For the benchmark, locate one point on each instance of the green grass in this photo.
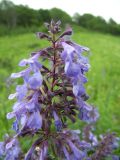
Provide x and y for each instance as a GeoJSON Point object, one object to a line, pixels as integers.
{"type": "Point", "coordinates": [103, 85]}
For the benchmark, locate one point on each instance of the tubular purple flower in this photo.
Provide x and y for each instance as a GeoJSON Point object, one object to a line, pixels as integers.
{"type": "Point", "coordinates": [32, 59]}
{"type": "Point", "coordinates": [35, 81]}
{"type": "Point", "coordinates": [78, 89]}
{"type": "Point", "coordinates": [58, 122]}
{"type": "Point", "coordinates": [32, 120]}
{"type": "Point", "coordinates": [79, 49]}
{"type": "Point", "coordinates": [35, 66]}
{"type": "Point", "coordinates": [94, 114]}
{"type": "Point", "coordinates": [77, 153]}
{"type": "Point", "coordinates": [84, 112]}
{"type": "Point", "coordinates": [12, 150]}
{"type": "Point", "coordinates": [2, 149]}
{"type": "Point", "coordinates": [72, 49]}
{"type": "Point", "coordinates": [33, 104]}
{"type": "Point", "coordinates": [21, 91]}
{"type": "Point", "coordinates": [15, 126]}
{"type": "Point", "coordinates": [10, 144]}
{"type": "Point", "coordinates": [12, 96]}
{"type": "Point", "coordinates": [18, 110]}
{"type": "Point", "coordinates": [72, 69]}
{"type": "Point", "coordinates": [115, 157]}
{"type": "Point", "coordinates": [84, 145]}
{"type": "Point", "coordinates": [66, 153]}
{"type": "Point", "coordinates": [43, 151]}
{"type": "Point", "coordinates": [84, 64]}
{"type": "Point", "coordinates": [68, 49]}
{"type": "Point", "coordinates": [24, 62]}
{"type": "Point", "coordinates": [88, 113]}
{"type": "Point", "coordinates": [93, 139]}
{"type": "Point", "coordinates": [25, 73]}
{"type": "Point", "coordinates": [80, 79]}
{"type": "Point", "coordinates": [27, 113]}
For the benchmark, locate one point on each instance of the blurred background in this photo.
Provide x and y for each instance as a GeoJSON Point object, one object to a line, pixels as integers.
{"type": "Point", "coordinates": [95, 24]}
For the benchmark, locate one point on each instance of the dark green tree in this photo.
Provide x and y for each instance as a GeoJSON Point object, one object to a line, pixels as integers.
{"type": "Point", "coordinates": [7, 13]}
{"type": "Point", "coordinates": [57, 14]}
{"type": "Point", "coordinates": [26, 16]}
{"type": "Point", "coordinates": [114, 28]}
{"type": "Point", "coordinates": [43, 15]}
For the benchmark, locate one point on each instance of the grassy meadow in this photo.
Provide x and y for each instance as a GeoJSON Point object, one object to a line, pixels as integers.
{"type": "Point", "coordinates": [104, 81]}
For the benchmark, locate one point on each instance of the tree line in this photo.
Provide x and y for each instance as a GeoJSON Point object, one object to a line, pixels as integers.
{"type": "Point", "coordinates": [13, 16]}
{"type": "Point", "coordinates": [97, 23]}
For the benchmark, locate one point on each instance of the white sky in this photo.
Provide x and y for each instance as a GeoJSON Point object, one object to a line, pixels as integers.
{"type": "Point", "coordinates": [104, 8]}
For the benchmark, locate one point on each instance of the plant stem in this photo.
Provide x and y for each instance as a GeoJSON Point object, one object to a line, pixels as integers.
{"type": "Point", "coordinates": [54, 62]}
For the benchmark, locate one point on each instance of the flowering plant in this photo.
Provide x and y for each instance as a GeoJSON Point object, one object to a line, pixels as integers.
{"type": "Point", "coordinates": [53, 93]}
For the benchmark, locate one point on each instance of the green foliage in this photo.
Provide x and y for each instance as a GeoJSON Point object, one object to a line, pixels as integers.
{"type": "Point", "coordinates": [25, 16]}
{"type": "Point", "coordinates": [43, 15]}
{"type": "Point", "coordinates": [20, 19]}
{"type": "Point", "coordinates": [18, 30]}
{"type": "Point", "coordinates": [97, 23]}
{"type": "Point", "coordinates": [114, 28]}
{"type": "Point", "coordinates": [58, 14]}
{"type": "Point", "coordinates": [7, 14]}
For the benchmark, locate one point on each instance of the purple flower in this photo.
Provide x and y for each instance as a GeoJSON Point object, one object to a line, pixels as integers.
{"type": "Point", "coordinates": [115, 157]}
{"type": "Point", "coordinates": [12, 96]}
{"type": "Point", "coordinates": [79, 49]}
{"type": "Point", "coordinates": [32, 59]}
{"type": "Point", "coordinates": [84, 112]}
{"type": "Point", "coordinates": [84, 64]}
{"type": "Point", "coordinates": [87, 113]}
{"type": "Point", "coordinates": [35, 81]}
{"type": "Point", "coordinates": [21, 91]}
{"type": "Point", "coordinates": [72, 69]}
{"type": "Point", "coordinates": [27, 114]}
{"type": "Point", "coordinates": [33, 104]}
{"type": "Point", "coordinates": [93, 139]}
{"type": "Point", "coordinates": [72, 147]}
{"type": "Point", "coordinates": [25, 74]}
{"type": "Point", "coordinates": [78, 89]}
{"type": "Point", "coordinates": [77, 153]}
{"type": "Point", "coordinates": [32, 120]}
{"type": "Point", "coordinates": [32, 76]}
{"type": "Point", "coordinates": [35, 66]}
{"type": "Point", "coordinates": [15, 126]}
{"type": "Point", "coordinates": [18, 107]}
{"type": "Point", "coordinates": [72, 50]}
{"type": "Point", "coordinates": [18, 110]}
{"type": "Point", "coordinates": [84, 145]}
{"type": "Point", "coordinates": [58, 122]}
{"type": "Point", "coordinates": [2, 148]}
{"type": "Point", "coordinates": [66, 153]}
{"type": "Point", "coordinates": [43, 151]}
{"type": "Point", "coordinates": [12, 150]}
{"type": "Point", "coordinates": [68, 52]}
